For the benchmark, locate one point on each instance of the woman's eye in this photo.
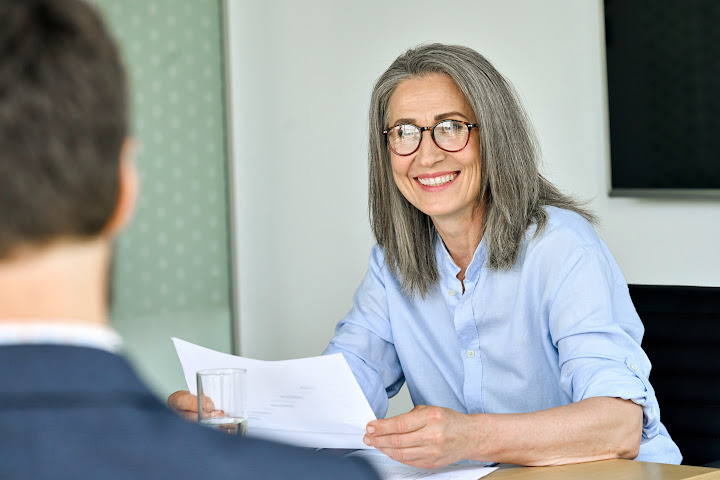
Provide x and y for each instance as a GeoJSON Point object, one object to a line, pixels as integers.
{"type": "Point", "coordinates": [406, 131]}
{"type": "Point", "coordinates": [452, 128]}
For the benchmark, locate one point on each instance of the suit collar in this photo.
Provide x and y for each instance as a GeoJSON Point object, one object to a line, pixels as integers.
{"type": "Point", "coordinates": [41, 369]}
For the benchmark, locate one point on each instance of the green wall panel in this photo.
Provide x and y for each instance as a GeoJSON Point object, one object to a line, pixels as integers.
{"type": "Point", "coordinates": [172, 267]}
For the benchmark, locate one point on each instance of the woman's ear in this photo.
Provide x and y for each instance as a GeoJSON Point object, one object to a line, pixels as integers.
{"type": "Point", "coordinates": [128, 187]}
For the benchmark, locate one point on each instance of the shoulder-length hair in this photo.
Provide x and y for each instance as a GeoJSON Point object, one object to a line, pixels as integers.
{"type": "Point", "coordinates": [513, 188]}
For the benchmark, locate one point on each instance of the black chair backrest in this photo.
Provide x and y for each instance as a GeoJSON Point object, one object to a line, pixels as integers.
{"type": "Point", "coordinates": [682, 339]}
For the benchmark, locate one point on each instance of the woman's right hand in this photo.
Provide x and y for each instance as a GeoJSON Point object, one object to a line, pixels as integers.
{"type": "Point", "coordinates": [185, 404]}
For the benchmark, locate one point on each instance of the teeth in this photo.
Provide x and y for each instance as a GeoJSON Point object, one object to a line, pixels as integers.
{"type": "Point", "coordinates": [436, 181]}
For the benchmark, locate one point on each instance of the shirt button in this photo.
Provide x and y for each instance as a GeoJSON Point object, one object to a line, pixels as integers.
{"type": "Point", "coordinates": [451, 293]}
{"type": "Point", "coordinates": [471, 353]}
{"type": "Point", "coordinates": [633, 366]}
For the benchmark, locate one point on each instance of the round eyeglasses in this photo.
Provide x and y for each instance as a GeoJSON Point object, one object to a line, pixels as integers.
{"type": "Point", "coordinates": [448, 135]}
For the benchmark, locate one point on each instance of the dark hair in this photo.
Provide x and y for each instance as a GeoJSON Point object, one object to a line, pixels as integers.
{"type": "Point", "coordinates": [63, 120]}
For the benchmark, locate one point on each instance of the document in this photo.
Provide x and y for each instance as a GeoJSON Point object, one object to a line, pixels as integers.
{"type": "Point", "coordinates": [309, 402]}
{"type": "Point", "coordinates": [389, 469]}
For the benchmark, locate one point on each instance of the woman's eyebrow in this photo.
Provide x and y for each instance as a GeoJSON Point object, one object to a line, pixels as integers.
{"type": "Point", "coordinates": [438, 117]}
{"type": "Point", "coordinates": [450, 114]}
{"type": "Point", "coordinates": [400, 121]}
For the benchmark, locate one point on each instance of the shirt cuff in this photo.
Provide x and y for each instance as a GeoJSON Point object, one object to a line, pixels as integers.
{"type": "Point", "coordinates": [627, 380]}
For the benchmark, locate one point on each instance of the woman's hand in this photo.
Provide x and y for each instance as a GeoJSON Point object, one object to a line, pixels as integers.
{"type": "Point", "coordinates": [595, 428]}
{"type": "Point", "coordinates": [425, 437]}
{"type": "Point", "coordinates": [185, 404]}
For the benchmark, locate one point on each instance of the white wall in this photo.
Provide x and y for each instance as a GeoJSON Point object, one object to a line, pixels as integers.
{"type": "Point", "coordinates": [300, 80]}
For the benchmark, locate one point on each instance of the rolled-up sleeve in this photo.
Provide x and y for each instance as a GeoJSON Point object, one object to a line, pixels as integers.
{"type": "Point", "coordinates": [364, 337]}
{"type": "Point", "coordinates": [597, 333]}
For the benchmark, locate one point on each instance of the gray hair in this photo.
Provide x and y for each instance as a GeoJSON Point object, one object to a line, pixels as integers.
{"type": "Point", "coordinates": [513, 188]}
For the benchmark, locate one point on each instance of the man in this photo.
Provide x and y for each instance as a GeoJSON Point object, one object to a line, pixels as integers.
{"type": "Point", "coordinates": [70, 407]}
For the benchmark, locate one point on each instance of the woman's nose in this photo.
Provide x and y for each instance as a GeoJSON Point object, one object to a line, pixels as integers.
{"type": "Point", "coordinates": [428, 153]}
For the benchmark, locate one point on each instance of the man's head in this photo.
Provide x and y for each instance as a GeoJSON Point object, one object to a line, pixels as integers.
{"type": "Point", "coordinates": [63, 124]}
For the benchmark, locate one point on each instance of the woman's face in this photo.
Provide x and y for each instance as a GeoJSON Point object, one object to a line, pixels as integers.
{"type": "Point", "coordinates": [443, 185]}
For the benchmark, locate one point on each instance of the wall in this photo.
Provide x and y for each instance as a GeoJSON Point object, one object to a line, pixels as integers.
{"type": "Point", "coordinates": [172, 275]}
{"type": "Point", "coordinates": [300, 79]}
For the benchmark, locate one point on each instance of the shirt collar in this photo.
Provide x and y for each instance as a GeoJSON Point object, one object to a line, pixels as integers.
{"type": "Point", "coordinates": [59, 332]}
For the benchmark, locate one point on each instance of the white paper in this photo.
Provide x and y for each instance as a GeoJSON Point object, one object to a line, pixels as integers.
{"type": "Point", "coordinates": [389, 469]}
{"type": "Point", "coordinates": [310, 402]}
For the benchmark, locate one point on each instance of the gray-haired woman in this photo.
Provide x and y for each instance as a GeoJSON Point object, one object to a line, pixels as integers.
{"type": "Point", "coordinates": [488, 292]}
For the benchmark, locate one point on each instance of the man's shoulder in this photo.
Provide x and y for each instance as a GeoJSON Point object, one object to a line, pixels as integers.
{"type": "Point", "coordinates": [109, 425]}
{"type": "Point", "coordinates": [133, 442]}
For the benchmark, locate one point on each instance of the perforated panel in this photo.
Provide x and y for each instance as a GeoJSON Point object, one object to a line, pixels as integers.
{"type": "Point", "coordinates": [172, 267]}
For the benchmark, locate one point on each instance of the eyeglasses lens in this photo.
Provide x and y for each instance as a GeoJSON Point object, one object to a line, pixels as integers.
{"type": "Point", "coordinates": [404, 139]}
{"type": "Point", "coordinates": [450, 135]}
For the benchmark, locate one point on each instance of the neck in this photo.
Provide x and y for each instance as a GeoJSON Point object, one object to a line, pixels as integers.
{"type": "Point", "coordinates": [65, 281]}
{"type": "Point", "coordinates": [461, 236]}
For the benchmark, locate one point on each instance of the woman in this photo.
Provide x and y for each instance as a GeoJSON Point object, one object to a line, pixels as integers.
{"type": "Point", "coordinates": [488, 292]}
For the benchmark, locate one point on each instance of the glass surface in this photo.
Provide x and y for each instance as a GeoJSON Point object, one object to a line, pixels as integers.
{"type": "Point", "coordinates": [222, 400]}
{"type": "Point", "coordinates": [229, 425]}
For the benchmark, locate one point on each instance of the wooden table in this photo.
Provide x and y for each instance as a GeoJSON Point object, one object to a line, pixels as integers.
{"type": "Point", "coordinates": [607, 469]}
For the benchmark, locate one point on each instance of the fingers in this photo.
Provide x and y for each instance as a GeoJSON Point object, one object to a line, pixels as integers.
{"type": "Point", "coordinates": [415, 456]}
{"type": "Point", "coordinates": [403, 431]}
{"type": "Point", "coordinates": [425, 437]}
{"type": "Point", "coordinates": [184, 401]}
{"type": "Point", "coordinates": [185, 404]}
{"type": "Point", "coordinates": [207, 403]}
{"type": "Point", "coordinates": [412, 421]}
{"type": "Point", "coordinates": [395, 441]}
{"type": "Point", "coordinates": [193, 416]}
{"type": "Point", "coordinates": [189, 416]}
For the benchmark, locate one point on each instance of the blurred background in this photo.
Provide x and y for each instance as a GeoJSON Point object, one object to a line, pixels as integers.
{"type": "Point", "coordinates": [252, 233]}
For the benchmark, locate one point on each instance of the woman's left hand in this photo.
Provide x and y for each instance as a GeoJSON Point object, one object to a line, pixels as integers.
{"type": "Point", "coordinates": [425, 437]}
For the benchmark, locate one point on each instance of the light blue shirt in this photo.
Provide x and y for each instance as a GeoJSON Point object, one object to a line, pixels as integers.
{"type": "Point", "coordinates": [557, 328]}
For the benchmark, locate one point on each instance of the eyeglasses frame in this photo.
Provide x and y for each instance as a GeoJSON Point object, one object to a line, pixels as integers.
{"type": "Point", "coordinates": [469, 126]}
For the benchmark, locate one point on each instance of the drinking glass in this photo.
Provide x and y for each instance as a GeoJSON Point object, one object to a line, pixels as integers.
{"type": "Point", "coordinates": [225, 389]}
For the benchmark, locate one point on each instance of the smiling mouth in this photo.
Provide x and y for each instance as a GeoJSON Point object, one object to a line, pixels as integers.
{"type": "Point", "coordinates": [437, 181]}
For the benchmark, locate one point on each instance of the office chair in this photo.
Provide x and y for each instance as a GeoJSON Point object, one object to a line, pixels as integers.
{"type": "Point", "coordinates": [682, 339]}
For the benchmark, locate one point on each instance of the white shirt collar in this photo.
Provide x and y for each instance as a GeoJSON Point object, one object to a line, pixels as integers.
{"type": "Point", "coordinates": [59, 332]}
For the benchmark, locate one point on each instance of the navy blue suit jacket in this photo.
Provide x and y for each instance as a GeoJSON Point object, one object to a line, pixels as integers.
{"type": "Point", "coordinates": [81, 413]}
